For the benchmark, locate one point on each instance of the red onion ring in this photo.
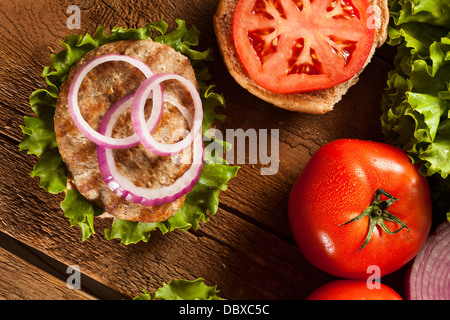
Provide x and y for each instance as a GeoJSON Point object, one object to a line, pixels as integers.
{"type": "Point", "coordinates": [123, 187]}
{"type": "Point", "coordinates": [139, 122]}
{"type": "Point", "coordinates": [84, 127]}
{"type": "Point", "coordinates": [150, 88]}
{"type": "Point", "coordinates": [429, 275]}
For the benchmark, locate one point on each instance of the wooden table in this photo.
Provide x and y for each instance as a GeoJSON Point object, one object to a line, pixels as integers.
{"type": "Point", "coordinates": [247, 248]}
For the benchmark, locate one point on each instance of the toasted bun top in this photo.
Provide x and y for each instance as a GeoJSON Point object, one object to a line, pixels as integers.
{"type": "Point", "coordinates": [315, 102]}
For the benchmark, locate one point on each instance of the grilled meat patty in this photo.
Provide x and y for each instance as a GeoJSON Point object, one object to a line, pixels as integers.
{"type": "Point", "coordinates": [101, 88]}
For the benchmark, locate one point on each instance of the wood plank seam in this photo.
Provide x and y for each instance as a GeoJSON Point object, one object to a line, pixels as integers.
{"type": "Point", "coordinates": [55, 269]}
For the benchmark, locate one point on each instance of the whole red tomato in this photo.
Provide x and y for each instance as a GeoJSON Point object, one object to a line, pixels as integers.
{"type": "Point", "coordinates": [353, 290]}
{"type": "Point", "coordinates": [358, 204]}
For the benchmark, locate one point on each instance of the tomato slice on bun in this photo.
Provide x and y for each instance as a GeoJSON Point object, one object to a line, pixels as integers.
{"type": "Point", "coordinates": [293, 46]}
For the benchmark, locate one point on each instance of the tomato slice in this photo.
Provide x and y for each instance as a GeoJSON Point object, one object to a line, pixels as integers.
{"type": "Point", "coordinates": [292, 46]}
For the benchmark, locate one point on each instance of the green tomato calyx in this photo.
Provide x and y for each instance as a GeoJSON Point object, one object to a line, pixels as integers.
{"type": "Point", "coordinates": [378, 214]}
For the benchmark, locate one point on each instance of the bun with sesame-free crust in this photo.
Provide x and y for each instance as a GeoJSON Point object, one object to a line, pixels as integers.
{"type": "Point", "coordinates": [314, 102]}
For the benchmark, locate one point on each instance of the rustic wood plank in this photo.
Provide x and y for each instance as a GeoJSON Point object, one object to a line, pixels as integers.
{"type": "Point", "coordinates": [56, 269]}
{"type": "Point", "coordinates": [29, 32]}
{"type": "Point", "coordinates": [20, 280]}
{"type": "Point", "coordinates": [247, 248]}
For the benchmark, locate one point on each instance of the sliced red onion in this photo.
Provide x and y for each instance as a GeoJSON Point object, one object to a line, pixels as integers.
{"type": "Point", "coordinates": [112, 115]}
{"type": "Point", "coordinates": [429, 276]}
{"type": "Point", "coordinates": [184, 111]}
{"type": "Point", "coordinates": [84, 127]}
{"type": "Point", "coordinates": [115, 111]}
{"type": "Point", "coordinates": [125, 188]}
{"type": "Point", "coordinates": [150, 88]}
{"type": "Point", "coordinates": [139, 122]}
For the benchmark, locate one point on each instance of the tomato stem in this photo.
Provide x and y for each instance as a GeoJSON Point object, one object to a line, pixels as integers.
{"type": "Point", "coordinates": [378, 214]}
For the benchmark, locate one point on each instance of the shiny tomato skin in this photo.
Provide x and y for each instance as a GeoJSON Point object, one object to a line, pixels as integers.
{"type": "Point", "coordinates": [338, 184]}
{"type": "Point", "coordinates": [289, 47]}
{"type": "Point", "coordinates": [353, 290]}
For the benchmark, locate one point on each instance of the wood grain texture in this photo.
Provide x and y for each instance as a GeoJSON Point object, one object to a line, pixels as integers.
{"type": "Point", "coordinates": [19, 279]}
{"type": "Point", "coordinates": [247, 249]}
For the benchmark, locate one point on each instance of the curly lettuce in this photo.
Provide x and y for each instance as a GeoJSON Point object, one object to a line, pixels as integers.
{"type": "Point", "coordinates": [432, 12]}
{"type": "Point", "coordinates": [416, 103]}
{"type": "Point", "coordinates": [39, 137]}
{"type": "Point", "coordinates": [182, 290]}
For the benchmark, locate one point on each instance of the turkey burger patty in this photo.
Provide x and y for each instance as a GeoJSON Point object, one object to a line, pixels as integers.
{"type": "Point", "coordinates": [100, 89]}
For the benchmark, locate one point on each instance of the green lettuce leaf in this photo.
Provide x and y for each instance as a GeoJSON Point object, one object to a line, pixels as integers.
{"type": "Point", "coordinates": [80, 212]}
{"type": "Point", "coordinates": [39, 138]}
{"type": "Point", "coordinates": [200, 203]}
{"type": "Point", "coordinates": [129, 231]}
{"type": "Point", "coordinates": [416, 102]}
{"type": "Point", "coordinates": [434, 12]}
{"type": "Point", "coordinates": [182, 290]}
{"type": "Point", "coordinates": [52, 172]}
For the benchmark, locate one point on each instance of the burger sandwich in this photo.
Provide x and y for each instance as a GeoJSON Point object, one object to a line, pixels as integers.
{"type": "Point", "coordinates": [120, 127]}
